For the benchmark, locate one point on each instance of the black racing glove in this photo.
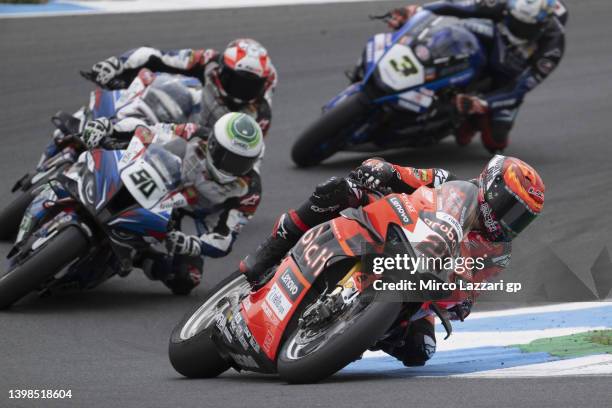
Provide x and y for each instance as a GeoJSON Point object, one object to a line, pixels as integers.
{"type": "Point", "coordinates": [376, 174]}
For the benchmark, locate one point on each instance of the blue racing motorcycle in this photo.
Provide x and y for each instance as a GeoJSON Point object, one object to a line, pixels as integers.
{"type": "Point", "coordinates": [143, 99]}
{"type": "Point", "coordinates": [96, 218]}
{"type": "Point", "coordinates": [402, 91]}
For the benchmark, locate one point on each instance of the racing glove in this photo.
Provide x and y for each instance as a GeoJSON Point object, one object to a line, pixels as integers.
{"type": "Point", "coordinates": [95, 131]}
{"type": "Point", "coordinates": [471, 105]}
{"type": "Point", "coordinates": [179, 243]}
{"type": "Point", "coordinates": [375, 174]}
{"type": "Point", "coordinates": [399, 16]}
{"type": "Point", "coordinates": [106, 71]}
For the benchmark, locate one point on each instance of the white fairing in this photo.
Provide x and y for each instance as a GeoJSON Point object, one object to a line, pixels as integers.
{"type": "Point", "coordinates": [400, 69]}
{"type": "Point", "coordinates": [135, 148]}
{"type": "Point", "coordinates": [144, 183]}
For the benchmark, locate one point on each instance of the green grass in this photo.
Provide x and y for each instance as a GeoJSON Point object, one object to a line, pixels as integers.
{"type": "Point", "coordinates": [575, 345]}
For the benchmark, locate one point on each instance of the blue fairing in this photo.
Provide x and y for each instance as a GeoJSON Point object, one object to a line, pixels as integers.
{"type": "Point", "coordinates": [105, 104]}
{"type": "Point", "coordinates": [445, 38]}
{"type": "Point", "coordinates": [142, 222]}
{"type": "Point", "coordinates": [107, 177]}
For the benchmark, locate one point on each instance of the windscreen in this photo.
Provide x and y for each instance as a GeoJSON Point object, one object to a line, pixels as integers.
{"type": "Point", "coordinates": [166, 164]}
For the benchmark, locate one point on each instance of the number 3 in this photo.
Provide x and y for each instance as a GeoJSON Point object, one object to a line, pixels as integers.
{"type": "Point", "coordinates": [405, 67]}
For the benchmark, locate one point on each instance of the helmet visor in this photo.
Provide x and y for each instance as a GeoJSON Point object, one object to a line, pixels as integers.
{"type": "Point", "coordinates": [522, 30]}
{"type": "Point", "coordinates": [229, 162]}
{"type": "Point", "coordinates": [243, 86]}
{"type": "Point", "coordinates": [510, 212]}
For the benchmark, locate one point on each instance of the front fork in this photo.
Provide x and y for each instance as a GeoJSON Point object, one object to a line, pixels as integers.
{"type": "Point", "coordinates": [355, 282]}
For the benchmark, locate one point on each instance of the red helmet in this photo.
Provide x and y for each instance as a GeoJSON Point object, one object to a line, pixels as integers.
{"type": "Point", "coordinates": [511, 195]}
{"type": "Point", "coordinates": [245, 70]}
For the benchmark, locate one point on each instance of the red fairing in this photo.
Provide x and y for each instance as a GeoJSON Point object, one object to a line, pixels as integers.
{"type": "Point", "coordinates": [268, 311]}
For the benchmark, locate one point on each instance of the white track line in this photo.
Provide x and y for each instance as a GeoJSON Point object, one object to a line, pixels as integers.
{"type": "Point", "coordinates": [597, 365]}
{"type": "Point", "coordinates": [149, 6]}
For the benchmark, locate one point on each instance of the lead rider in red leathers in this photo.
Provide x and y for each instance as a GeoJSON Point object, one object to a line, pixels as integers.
{"type": "Point", "coordinates": [510, 196]}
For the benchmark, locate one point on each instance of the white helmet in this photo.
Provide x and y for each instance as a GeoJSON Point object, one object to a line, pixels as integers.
{"type": "Point", "coordinates": [234, 147]}
{"type": "Point", "coordinates": [527, 17]}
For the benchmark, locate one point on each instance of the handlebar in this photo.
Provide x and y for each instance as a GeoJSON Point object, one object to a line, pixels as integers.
{"type": "Point", "coordinates": [380, 17]}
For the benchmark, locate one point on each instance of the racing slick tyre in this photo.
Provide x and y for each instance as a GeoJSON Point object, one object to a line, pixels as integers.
{"type": "Point", "coordinates": [327, 134]}
{"type": "Point", "coordinates": [310, 357]}
{"type": "Point", "coordinates": [191, 350]}
{"type": "Point", "coordinates": [59, 251]}
{"type": "Point", "coordinates": [11, 215]}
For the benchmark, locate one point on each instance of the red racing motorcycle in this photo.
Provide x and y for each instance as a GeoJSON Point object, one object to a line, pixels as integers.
{"type": "Point", "coordinates": [319, 310]}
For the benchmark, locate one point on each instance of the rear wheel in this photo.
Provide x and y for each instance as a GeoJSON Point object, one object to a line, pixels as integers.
{"type": "Point", "coordinates": [11, 215]}
{"type": "Point", "coordinates": [61, 250]}
{"type": "Point", "coordinates": [192, 352]}
{"type": "Point", "coordinates": [310, 354]}
{"type": "Point", "coordinates": [327, 135]}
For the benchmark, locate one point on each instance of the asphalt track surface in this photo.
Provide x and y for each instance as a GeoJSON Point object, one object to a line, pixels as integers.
{"type": "Point", "coordinates": [109, 345]}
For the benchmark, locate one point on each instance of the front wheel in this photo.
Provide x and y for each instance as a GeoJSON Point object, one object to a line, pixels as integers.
{"type": "Point", "coordinates": [11, 215]}
{"type": "Point", "coordinates": [61, 250]}
{"type": "Point", "coordinates": [327, 135]}
{"type": "Point", "coordinates": [311, 354]}
{"type": "Point", "coordinates": [192, 351]}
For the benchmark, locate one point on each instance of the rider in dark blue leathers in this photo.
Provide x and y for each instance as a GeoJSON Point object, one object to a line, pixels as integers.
{"type": "Point", "coordinates": [525, 41]}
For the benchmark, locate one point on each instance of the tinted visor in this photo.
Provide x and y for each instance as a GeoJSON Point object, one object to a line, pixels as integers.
{"type": "Point", "coordinates": [512, 214]}
{"type": "Point", "coordinates": [523, 30]}
{"type": "Point", "coordinates": [244, 86]}
{"type": "Point", "coordinates": [229, 162]}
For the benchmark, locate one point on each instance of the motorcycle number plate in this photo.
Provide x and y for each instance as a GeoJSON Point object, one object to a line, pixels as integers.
{"type": "Point", "coordinates": [400, 68]}
{"type": "Point", "coordinates": [144, 183]}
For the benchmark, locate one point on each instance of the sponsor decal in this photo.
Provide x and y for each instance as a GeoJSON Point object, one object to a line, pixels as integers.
{"type": "Point", "coordinates": [267, 344]}
{"type": "Point", "coordinates": [535, 192]}
{"type": "Point", "coordinates": [487, 215]}
{"type": "Point", "coordinates": [291, 284]}
{"type": "Point", "coordinates": [315, 256]}
{"type": "Point", "coordinates": [322, 210]}
{"type": "Point", "coordinates": [244, 360]}
{"type": "Point", "coordinates": [268, 312]}
{"type": "Point", "coordinates": [421, 174]}
{"type": "Point", "coordinates": [253, 199]}
{"type": "Point", "coordinates": [440, 176]}
{"type": "Point", "coordinates": [422, 53]}
{"type": "Point", "coordinates": [407, 203]}
{"type": "Point", "coordinates": [399, 210]}
{"type": "Point", "coordinates": [278, 302]}
{"type": "Point", "coordinates": [449, 219]}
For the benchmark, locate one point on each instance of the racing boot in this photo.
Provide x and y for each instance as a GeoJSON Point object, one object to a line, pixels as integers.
{"type": "Point", "coordinates": [413, 343]}
{"type": "Point", "coordinates": [328, 199]}
{"type": "Point", "coordinates": [465, 133]}
{"type": "Point", "coordinates": [494, 135]}
{"type": "Point", "coordinates": [285, 235]}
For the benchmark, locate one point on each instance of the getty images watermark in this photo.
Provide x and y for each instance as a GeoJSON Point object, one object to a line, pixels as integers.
{"type": "Point", "coordinates": [433, 270]}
